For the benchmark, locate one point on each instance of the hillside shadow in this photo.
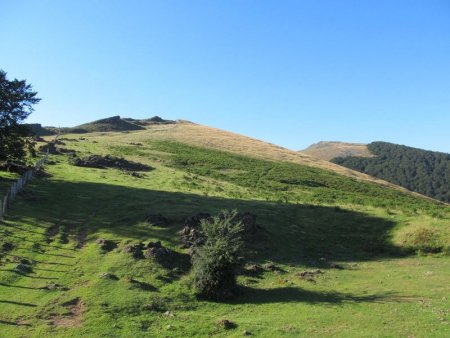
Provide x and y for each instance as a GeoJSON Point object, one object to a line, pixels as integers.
{"type": "Point", "coordinates": [291, 233]}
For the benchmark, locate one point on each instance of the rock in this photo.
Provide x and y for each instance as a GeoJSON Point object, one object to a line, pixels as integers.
{"type": "Point", "coordinates": [272, 267]}
{"type": "Point", "coordinates": [157, 253]}
{"type": "Point", "coordinates": [246, 333]}
{"type": "Point", "coordinates": [6, 246]}
{"type": "Point", "coordinates": [226, 324]}
{"type": "Point", "coordinates": [50, 148]}
{"type": "Point", "coordinates": [23, 268]}
{"type": "Point", "coordinates": [135, 250]}
{"type": "Point", "coordinates": [336, 266]}
{"type": "Point", "coordinates": [107, 275]}
{"type": "Point", "coordinates": [253, 269]}
{"type": "Point", "coordinates": [108, 161]}
{"type": "Point", "coordinates": [169, 314]}
{"type": "Point", "coordinates": [106, 244]}
{"type": "Point", "coordinates": [55, 286]}
{"type": "Point", "coordinates": [157, 220]}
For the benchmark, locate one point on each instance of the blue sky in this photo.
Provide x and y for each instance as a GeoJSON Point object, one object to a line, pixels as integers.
{"type": "Point", "coordinates": [288, 72]}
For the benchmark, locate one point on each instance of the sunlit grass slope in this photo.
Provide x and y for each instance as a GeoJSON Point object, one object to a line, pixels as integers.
{"type": "Point", "coordinates": [373, 283]}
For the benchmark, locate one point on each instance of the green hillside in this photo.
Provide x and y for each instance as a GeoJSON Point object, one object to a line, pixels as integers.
{"type": "Point", "coordinates": [426, 172]}
{"type": "Point", "coordinates": [333, 255]}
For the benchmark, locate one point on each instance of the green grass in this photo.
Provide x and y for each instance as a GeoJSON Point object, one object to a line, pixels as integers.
{"type": "Point", "coordinates": [310, 219]}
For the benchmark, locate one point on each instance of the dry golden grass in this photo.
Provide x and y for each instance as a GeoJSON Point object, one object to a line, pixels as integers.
{"type": "Point", "coordinates": [329, 150]}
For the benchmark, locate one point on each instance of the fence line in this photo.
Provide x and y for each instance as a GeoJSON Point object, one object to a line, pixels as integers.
{"type": "Point", "coordinates": [17, 186]}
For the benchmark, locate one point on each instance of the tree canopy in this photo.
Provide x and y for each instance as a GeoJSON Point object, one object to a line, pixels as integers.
{"type": "Point", "coordinates": [422, 171]}
{"type": "Point", "coordinates": [17, 99]}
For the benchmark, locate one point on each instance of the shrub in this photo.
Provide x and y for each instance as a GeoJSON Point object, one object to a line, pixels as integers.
{"type": "Point", "coordinates": [423, 238]}
{"type": "Point", "coordinates": [214, 263]}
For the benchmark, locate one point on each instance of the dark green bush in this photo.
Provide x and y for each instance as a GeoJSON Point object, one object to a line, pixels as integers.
{"type": "Point", "coordinates": [214, 263]}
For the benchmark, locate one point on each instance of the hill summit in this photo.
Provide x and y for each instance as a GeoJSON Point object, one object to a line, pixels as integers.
{"type": "Point", "coordinates": [327, 150]}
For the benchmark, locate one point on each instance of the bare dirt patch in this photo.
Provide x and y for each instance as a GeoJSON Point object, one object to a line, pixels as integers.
{"type": "Point", "coordinates": [74, 317]}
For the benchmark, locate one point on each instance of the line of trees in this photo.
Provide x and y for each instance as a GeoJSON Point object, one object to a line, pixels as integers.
{"type": "Point", "coordinates": [422, 171]}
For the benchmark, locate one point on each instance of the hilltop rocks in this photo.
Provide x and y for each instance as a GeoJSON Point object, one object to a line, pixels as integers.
{"type": "Point", "coordinates": [103, 162]}
{"type": "Point", "coordinates": [14, 167]}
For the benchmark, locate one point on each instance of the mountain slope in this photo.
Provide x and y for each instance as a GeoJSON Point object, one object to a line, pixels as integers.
{"type": "Point", "coordinates": [423, 171]}
{"type": "Point", "coordinates": [204, 136]}
{"type": "Point", "coordinates": [329, 150]}
{"type": "Point", "coordinates": [359, 235]}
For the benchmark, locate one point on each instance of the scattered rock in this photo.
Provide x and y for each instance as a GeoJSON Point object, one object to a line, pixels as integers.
{"type": "Point", "coordinates": [246, 333]}
{"type": "Point", "coordinates": [108, 161]}
{"type": "Point", "coordinates": [55, 287]}
{"type": "Point", "coordinates": [157, 220]}
{"type": "Point", "coordinates": [336, 266]}
{"type": "Point", "coordinates": [108, 275]}
{"type": "Point", "coordinates": [135, 250]}
{"type": "Point", "coordinates": [169, 314]}
{"type": "Point", "coordinates": [140, 285]}
{"type": "Point", "coordinates": [106, 245]}
{"type": "Point", "coordinates": [6, 246]}
{"type": "Point", "coordinates": [253, 269]}
{"type": "Point", "coordinates": [226, 324]}
{"type": "Point", "coordinates": [23, 268]}
{"type": "Point", "coordinates": [272, 267]}
{"type": "Point", "coordinates": [50, 148]}
{"type": "Point", "coordinates": [310, 275]}
{"type": "Point", "coordinates": [157, 251]}
{"type": "Point", "coordinates": [136, 143]}
{"type": "Point", "coordinates": [191, 235]}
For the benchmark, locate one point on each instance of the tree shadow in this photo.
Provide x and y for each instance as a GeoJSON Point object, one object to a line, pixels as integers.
{"type": "Point", "coordinates": [13, 323]}
{"type": "Point", "coordinates": [291, 233]}
{"type": "Point", "coordinates": [296, 295]}
{"type": "Point", "coordinates": [17, 303]}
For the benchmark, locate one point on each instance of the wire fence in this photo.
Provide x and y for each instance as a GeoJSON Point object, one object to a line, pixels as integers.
{"type": "Point", "coordinates": [17, 186]}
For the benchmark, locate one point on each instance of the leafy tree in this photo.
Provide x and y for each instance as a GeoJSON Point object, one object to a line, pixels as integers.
{"type": "Point", "coordinates": [16, 104]}
{"type": "Point", "coordinates": [214, 262]}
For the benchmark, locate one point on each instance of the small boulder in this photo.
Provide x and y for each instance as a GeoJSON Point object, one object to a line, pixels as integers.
{"type": "Point", "coordinates": [226, 324]}
{"type": "Point", "coordinates": [157, 220]}
{"type": "Point", "coordinates": [106, 245]}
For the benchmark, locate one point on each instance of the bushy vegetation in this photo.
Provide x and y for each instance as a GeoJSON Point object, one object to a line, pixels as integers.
{"type": "Point", "coordinates": [425, 172]}
{"type": "Point", "coordinates": [214, 262]}
{"type": "Point", "coordinates": [284, 181]}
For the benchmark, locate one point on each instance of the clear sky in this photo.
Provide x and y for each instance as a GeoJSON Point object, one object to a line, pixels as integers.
{"type": "Point", "coordinates": [288, 72]}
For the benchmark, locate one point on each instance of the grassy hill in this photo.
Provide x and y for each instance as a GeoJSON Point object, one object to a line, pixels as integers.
{"type": "Point", "coordinates": [328, 150]}
{"type": "Point", "coordinates": [381, 251]}
{"type": "Point", "coordinates": [426, 172]}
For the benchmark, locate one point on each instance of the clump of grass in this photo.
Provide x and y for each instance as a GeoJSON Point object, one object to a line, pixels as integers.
{"type": "Point", "coordinates": [423, 239]}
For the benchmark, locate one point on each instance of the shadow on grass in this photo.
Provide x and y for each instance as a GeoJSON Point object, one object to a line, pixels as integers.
{"type": "Point", "coordinates": [12, 323]}
{"type": "Point", "coordinates": [293, 295]}
{"type": "Point", "coordinates": [17, 303]}
{"type": "Point", "coordinates": [292, 233]}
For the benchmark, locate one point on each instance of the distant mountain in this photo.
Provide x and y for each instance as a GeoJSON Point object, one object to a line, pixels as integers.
{"type": "Point", "coordinates": [422, 171]}
{"type": "Point", "coordinates": [328, 150]}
